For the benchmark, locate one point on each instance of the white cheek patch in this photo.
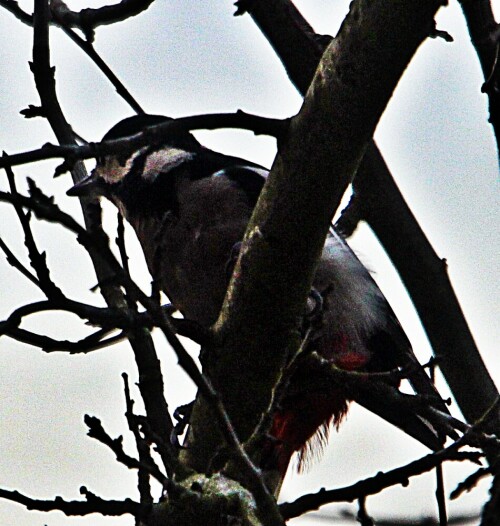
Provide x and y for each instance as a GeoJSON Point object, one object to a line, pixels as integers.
{"type": "Point", "coordinates": [163, 161]}
{"type": "Point", "coordinates": [112, 171]}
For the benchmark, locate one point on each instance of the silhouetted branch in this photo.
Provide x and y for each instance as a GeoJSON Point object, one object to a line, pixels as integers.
{"type": "Point", "coordinates": [12, 260]}
{"type": "Point", "coordinates": [108, 318]}
{"type": "Point", "coordinates": [88, 19]}
{"type": "Point", "coordinates": [259, 125]}
{"type": "Point", "coordinates": [378, 201]}
{"type": "Point", "coordinates": [375, 484]}
{"type": "Point", "coordinates": [441, 497]}
{"type": "Point", "coordinates": [490, 515]}
{"type": "Point", "coordinates": [162, 445]}
{"type": "Point", "coordinates": [92, 504]}
{"type": "Point", "coordinates": [87, 47]}
{"type": "Point", "coordinates": [116, 445]}
{"type": "Point", "coordinates": [472, 437]}
{"type": "Point", "coordinates": [145, 459]}
{"type": "Point", "coordinates": [37, 259]}
{"type": "Point", "coordinates": [470, 482]}
{"type": "Point", "coordinates": [47, 344]}
{"type": "Point", "coordinates": [425, 276]}
{"type": "Point", "coordinates": [346, 515]}
{"type": "Point", "coordinates": [485, 36]}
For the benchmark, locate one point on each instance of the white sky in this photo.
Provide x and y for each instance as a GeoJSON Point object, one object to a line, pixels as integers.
{"type": "Point", "coordinates": [185, 57]}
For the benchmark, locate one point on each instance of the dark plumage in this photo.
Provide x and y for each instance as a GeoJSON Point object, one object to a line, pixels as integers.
{"type": "Point", "coordinates": [189, 207]}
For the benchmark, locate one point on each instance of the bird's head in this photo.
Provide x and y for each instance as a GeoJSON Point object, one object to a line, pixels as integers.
{"type": "Point", "coordinates": [140, 181]}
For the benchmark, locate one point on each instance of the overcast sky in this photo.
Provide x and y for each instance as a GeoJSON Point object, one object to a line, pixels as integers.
{"type": "Point", "coordinates": [184, 57]}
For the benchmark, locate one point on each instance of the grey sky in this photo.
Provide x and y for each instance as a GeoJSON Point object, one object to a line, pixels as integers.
{"type": "Point", "coordinates": [185, 57]}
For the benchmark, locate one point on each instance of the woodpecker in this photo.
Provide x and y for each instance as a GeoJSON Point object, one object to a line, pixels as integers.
{"type": "Point", "coordinates": [189, 207]}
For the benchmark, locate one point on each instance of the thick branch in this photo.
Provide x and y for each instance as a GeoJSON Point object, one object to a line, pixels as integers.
{"type": "Point", "coordinates": [398, 231]}
{"type": "Point", "coordinates": [258, 322]}
{"type": "Point", "coordinates": [424, 274]}
{"type": "Point", "coordinates": [485, 36]}
{"type": "Point", "coordinates": [294, 40]}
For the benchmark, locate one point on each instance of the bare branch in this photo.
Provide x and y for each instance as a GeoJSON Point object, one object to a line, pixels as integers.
{"type": "Point", "coordinates": [470, 482]}
{"type": "Point", "coordinates": [485, 36]}
{"type": "Point", "coordinates": [347, 515]}
{"type": "Point", "coordinates": [150, 376]}
{"type": "Point", "coordinates": [143, 484]}
{"type": "Point", "coordinates": [441, 497]}
{"type": "Point", "coordinates": [489, 516]}
{"type": "Point", "coordinates": [259, 125]}
{"type": "Point", "coordinates": [88, 19]}
{"type": "Point", "coordinates": [37, 259]}
{"type": "Point", "coordinates": [92, 504]}
{"type": "Point", "coordinates": [399, 475]}
{"type": "Point", "coordinates": [97, 431]}
{"type": "Point", "coordinates": [12, 260]}
{"type": "Point", "coordinates": [87, 47]}
{"type": "Point", "coordinates": [375, 484]}
{"type": "Point", "coordinates": [377, 200]}
{"type": "Point", "coordinates": [294, 40]}
{"type": "Point", "coordinates": [47, 344]}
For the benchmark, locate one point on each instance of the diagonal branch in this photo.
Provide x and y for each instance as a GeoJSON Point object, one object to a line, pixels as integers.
{"type": "Point", "coordinates": [316, 162]}
{"type": "Point", "coordinates": [376, 484]}
{"type": "Point", "coordinates": [425, 276]}
{"type": "Point", "coordinates": [37, 259]}
{"type": "Point", "coordinates": [150, 377]}
{"type": "Point", "coordinates": [13, 7]}
{"type": "Point", "coordinates": [44, 208]}
{"type": "Point", "coordinates": [378, 201]}
{"type": "Point", "coordinates": [485, 36]}
{"type": "Point", "coordinates": [14, 261]}
{"type": "Point", "coordinates": [97, 431]}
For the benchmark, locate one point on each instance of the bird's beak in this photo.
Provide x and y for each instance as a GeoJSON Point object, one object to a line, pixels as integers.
{"type": "Point", "coordinates": [91, 186]}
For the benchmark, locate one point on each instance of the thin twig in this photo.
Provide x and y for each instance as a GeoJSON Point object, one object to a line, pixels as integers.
{"type": "Point", "coordinates": [259, 125]}
{"type": "Point", "coordinates": [116, 445]}
{"type": "Point", "coordinates": [48, 344]}
{"type": "Point", "coordinates": [470, 482]}
{"type": "Point", "coordinates": [375, 484]}
{"type": "Point", "coordinates": [143, 484]}
{"type": "Point", "coordinates": [92, 504]}
{"type": "Point", "coordinates": [37, 259]}
{"type": "Point", "coordinates": [12, 260]}
{"type": "Point", "coordinates": [87, 47]}
{"type": "Point", "coordinates": [440, 496]}
{"type": "Point", "coordinates": [88, 19]}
